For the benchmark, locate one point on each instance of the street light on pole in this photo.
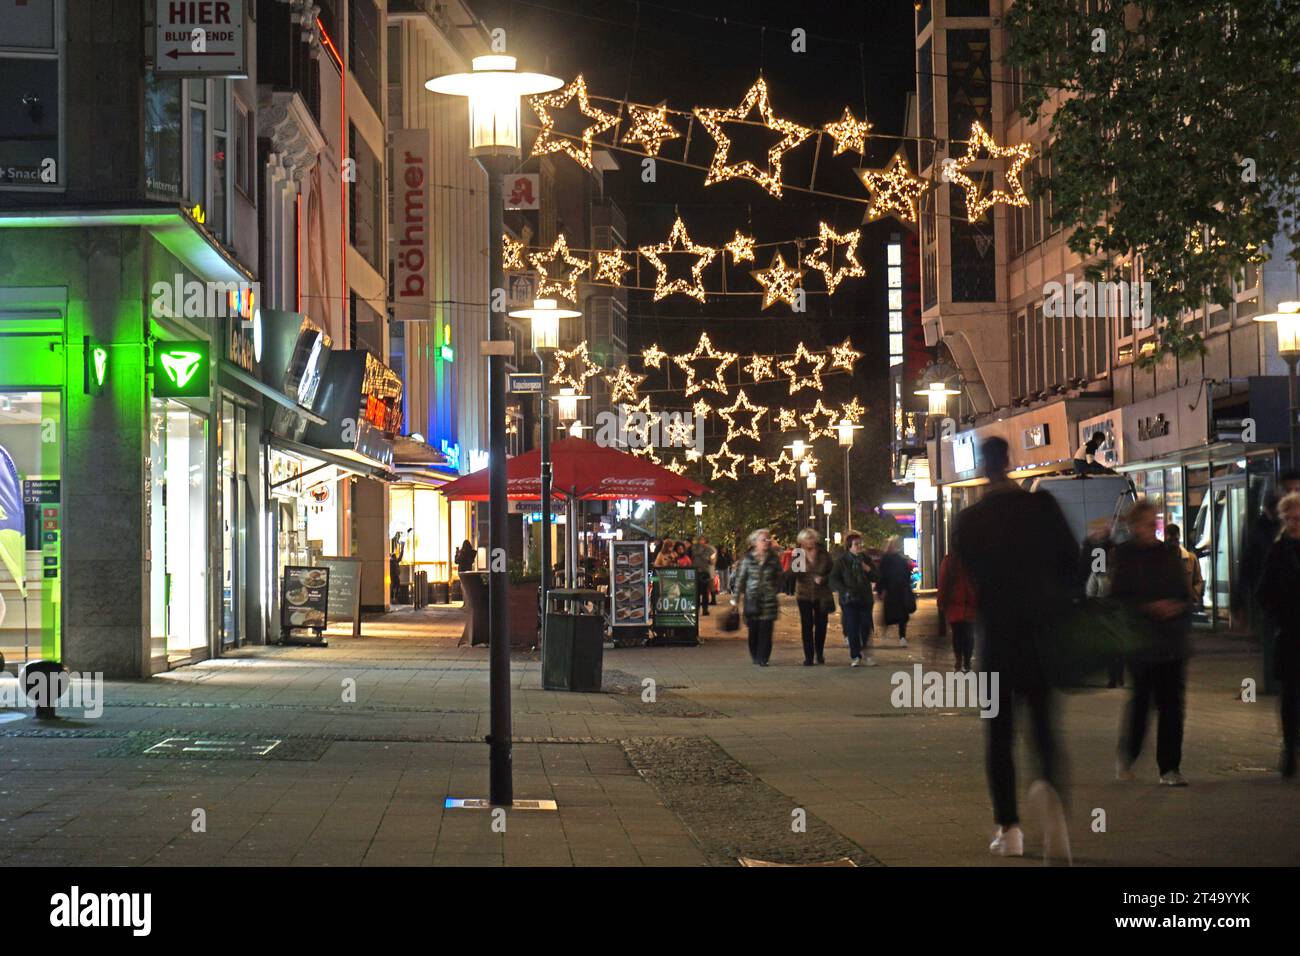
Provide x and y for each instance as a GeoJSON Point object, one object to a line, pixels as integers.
{"type": "Point", "coordinates": [493, 89]}
{"type": "Point", "coordinates": [827, 507]}
{"type": "Point", "coordinates": [1287, 320]}
{"type": "Point", "coordinates": [845, 430]}
{"type": "Point", "coordinates": [935, 388]}
{"type": "Point", "coordinates": [698, 508]}
{"type": "Point", "coordinates": [544, 318]}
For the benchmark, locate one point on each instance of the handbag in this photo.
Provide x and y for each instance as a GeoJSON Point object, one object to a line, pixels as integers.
{"type": "Point", "coordinates": [731, 620]}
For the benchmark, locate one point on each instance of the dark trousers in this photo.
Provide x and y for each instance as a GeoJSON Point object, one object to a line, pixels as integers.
{"type": "Point", "coordinates": [1164, 683]}
{"type": "Point", "coordinates": [856, 619]}
{"type": "Point", "coordinates": [999, 758]}
{"type": "Point", "coordinates": [1289, 704]}
{"type": "Point", "coordinates": [703, 582]}
{"type": "Point", "coordinates": [760, 640]}
{"type": "Point", "coordinates": [963, 641]}
{"type": "Point", "coordinates": [813, 618]}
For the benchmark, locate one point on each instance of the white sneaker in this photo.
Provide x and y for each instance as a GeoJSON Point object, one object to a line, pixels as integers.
{"type": "Point", "coordinates": [902, 642]}
{"type": "Point", "coordinates": [868, 662]}
{"type": "Point", "coordinates": [857, 661]}
{"type": "Point", "coordinates": [1009, 842]}
{"type": "Point", "coordinates": [1056, 836]}
{"type": "Point", "coordinates": [1173, 778]}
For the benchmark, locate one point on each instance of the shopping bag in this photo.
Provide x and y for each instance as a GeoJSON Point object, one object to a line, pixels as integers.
{"type": "Point", "coordinates": [1096, 632]}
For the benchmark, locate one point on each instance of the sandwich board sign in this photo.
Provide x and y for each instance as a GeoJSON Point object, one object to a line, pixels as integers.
{"type": "Point", "coordinates": [200, 38]}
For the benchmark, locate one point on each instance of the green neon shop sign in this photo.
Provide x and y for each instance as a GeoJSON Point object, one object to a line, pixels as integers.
{"type": "Point", "coordinates": [180, 369]}
{"type": "Point", "coordinates": [96, 366]}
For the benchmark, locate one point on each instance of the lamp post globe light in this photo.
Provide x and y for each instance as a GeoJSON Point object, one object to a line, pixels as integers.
{"type": "Point", "coordinates": [698, 507]}
{"type": "Point", "coordinates": [827, 507]}
{"type": "Point", "coordinates": [493, 89]}
{"type": "Point", "coordinates": [544, 326]}
{"type": "Point", "coordinates": [1287, 321]}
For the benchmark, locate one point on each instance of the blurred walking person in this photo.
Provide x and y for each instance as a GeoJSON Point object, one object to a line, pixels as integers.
{"type": "Point", "coordinates": [757, 584]}
{"type": "Point", "coordinates": [956, 601]}
{"type": "Point", "coordinates": [1279, 596]}
{"type": "Point", "coordinates": [812, 591]}
{"type": "Point", "coordinates": [1021, 556]}
{"type": "Point", "coordinates": [1192, 564]}
{"type": "Point", "coordinates": [703, 555]}
{"type": "Point", "coordinates": [895, 588]}
{"type": "Point", "coordinates": [852, 576]}
{"type": "Point", "coordinates": [1150, 577]}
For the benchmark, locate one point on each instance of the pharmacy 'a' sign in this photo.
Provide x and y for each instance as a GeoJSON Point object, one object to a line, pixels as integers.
{"type": "Point", "coordinates": [199, 37]}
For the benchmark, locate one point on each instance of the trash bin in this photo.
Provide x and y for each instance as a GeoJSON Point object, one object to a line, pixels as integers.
{"type": "Point", "coordinates": [573, 652]}
{"type": "Point", "coordinates": [421, 588]}
{"type": "Point", "coordinates": [441, 593]}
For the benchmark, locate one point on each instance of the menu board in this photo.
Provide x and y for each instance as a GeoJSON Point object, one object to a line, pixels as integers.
{"type": "Point", "coordinates": [345, 590]}
{"type": "Point", "coordinates": [675, 605]}
{"type": "Point", "coordinates": [304, 599]}
{"type": "Point", "coordinates": [629, 584]}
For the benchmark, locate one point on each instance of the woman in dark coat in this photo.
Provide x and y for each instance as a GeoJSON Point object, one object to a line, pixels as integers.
{"type": "Point", "coordinates": [895, 587]}
{"type": "Point", "coordinates": [812, 591]}
{"type": "Point", "coordinates": [1279, 595]}
{"type": "Point", "coordinates": [757, 584]}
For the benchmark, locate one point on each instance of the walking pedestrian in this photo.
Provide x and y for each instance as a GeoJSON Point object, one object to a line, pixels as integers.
{"type": "Point", "coordinates": [1150, 577]}
{"type": "Point", "coordinates": [1192, 564]}
{"type": "Point", "coordinates": [895, 587]}
{"type": "Point", "coordinates": [956, 601]}
{"type": "Point", "coordinates": [724, 568]}
{"type": "Point", "coordinates": [702, 557]}
{"type": "Point", "coordinates": [758, 583]}
{"type": "Point", "coordinates": [852, 577]}
{"type": "Point", "coordinates": [1021, 557]}
{"type": "Point", "coordinates": [812, 591]}
{"type": "Point", "coordinates": [1279, 596]}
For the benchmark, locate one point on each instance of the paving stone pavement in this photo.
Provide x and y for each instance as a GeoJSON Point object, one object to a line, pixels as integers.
{"type": "Point", "coordinates": [378, 732]}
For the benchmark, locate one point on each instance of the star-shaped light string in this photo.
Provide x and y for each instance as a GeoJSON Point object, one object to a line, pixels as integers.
{"type": "Point", "coordinates": [787, 420]}
{"type": "Point", "coordinates": [676, 466]}
{"type": "Point", "coordinates": [813, 379]}
{"type": "Point", "coordinates": [757, 465]}
{"type": "Point", "coordinates": [719, 469]}
{"type": "Point", "coordinates": [677, 431]}
{"type": "Point", "coordinates": [548, 142]}
{"type": "Point", "coordinates": [653, 356]}
{"type": "Point", "coordinates": [704, 349]}
{"type": "Point", "coordinates": [760, 366]}
{"type": "Point", "coordinates": [512, 253]}
{"type": "Point", "coordinates": [623, 385]}
{"type": "Point", "coordinates": [844, 355]}
{"type": "Point", "coordinates": [679, 241]}
{"type": "Point", "coordinates": [853, 410]}
{"type": "Point", "coordinates": [728, 415]}
{"type": "Point", "coordinates": [639, 419]}
{"type": "Point", "coordinates": [701, 408]}
{"type": "Point", "coordinates": [560, 283]}
{"type": "Point", "coordinates": [647, 451]}
{"type": "Point", "coordinates": [822, 258]}
{"type": "Point", "coordinates": [783, 467]}
{"type": "Point", "coordinates": [741, 248]}
{"type": "Point", "coordinates": [976, 204]}
{"type": "Point", "coordinates": [894, 190]}
{"type": "Point", "coordinates": [650, 127]}
{"type": "Point", "coordinates": [693, 454]}
{"type": "Point", "coordinates": [574, 367]}
{"type": "Point", "coordinates": [779, 281]}
{"type": "Point", "coordinates": [611, 266]}
{"type": "Point", "coordinates": [849, 132]}
{"type": "Point", "coordinates": [816, 431]}
{"type": "Point", "coordinates": [792, 135]}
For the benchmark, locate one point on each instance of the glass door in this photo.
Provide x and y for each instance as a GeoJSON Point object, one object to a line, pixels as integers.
{"type": "Point", "coordinates": [234, 522]}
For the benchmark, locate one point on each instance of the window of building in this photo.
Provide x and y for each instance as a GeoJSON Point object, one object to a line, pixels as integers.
{"type": "Point", "coordinates": [364, 50]}
{"type": "Point", "coordinates": [187, 137]}
{"type": "Point", "coordinates": [31, 114]}
{"type": "Point", "coordinates": [366, 202]}
{"type": "Point", "coordinates": [245, 155]}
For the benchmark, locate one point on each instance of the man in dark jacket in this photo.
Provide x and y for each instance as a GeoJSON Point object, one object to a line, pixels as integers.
{"type": "Point", "coordinates": [1149, 576]}
{"type": "Point", "coordinates": [851, 577]}
{"type": "Point", "coordinates": [702, 558]}
{"type": "Point", "coordinates": [1022, 558]}
{"type": "Point", "coordinates": [1247, 615]}
{"type": "Point", "coordinates": [1279, 595]}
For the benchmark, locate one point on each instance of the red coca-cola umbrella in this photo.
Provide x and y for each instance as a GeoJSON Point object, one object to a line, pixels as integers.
{"type": "Point", "coordinates": [584, 470]}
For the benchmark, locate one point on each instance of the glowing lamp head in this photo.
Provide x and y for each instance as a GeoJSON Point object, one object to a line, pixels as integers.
{"type": "Point", "coordinates": [845, 431]}
{"type": "Point", "coordinates": [796, 449]}
{"type": "Point", "coordinates": [827, 506]}
{"type": "Point", "coordinates": [545, 317]}
{"type": "Point", "coordinates": [699, 508]}
{"type": "Point", "coordinates": [812, 479]}
{"type": "Point", "coordinates": [1287, 320]}
{"type": "Point", "coordinates": [820, 495]}
{"type": "Point", "coordinates": [493, 89]}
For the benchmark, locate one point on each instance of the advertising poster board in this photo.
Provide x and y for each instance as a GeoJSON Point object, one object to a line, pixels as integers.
{"type": "Point", "coordinates": [345, 590]}
{"type": "Point", "coordinates": [629, 591]}
{"type": "Point", "coordinates": [304, 601]}
{"type": "Point", "coordinates": [676, 604]}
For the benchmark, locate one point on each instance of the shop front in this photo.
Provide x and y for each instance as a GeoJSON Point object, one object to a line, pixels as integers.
{"type": "Point", "coordinates": [426, 531]}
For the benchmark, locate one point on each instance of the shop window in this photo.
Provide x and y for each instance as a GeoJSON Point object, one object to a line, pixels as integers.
{"type": "Point", "coordinates": [162, 137]}
{"type": "Point", "coordinates": [31, 525]}
{"type": "Point", "coordinates": [178, 530]}
{"type": "Point", "coordinates": [366, 202]}
{"type": "Point", "coordinates": [31, 118]}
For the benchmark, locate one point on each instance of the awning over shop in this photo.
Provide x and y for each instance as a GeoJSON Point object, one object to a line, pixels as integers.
{"type": "Point", "coordinates": [344, 461]}
{"type": "Point", "coordinates": [418, 461]}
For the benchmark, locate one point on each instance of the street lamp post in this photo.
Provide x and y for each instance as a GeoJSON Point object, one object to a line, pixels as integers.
{"type": "Point", "coordinates": [493, 89]}
{"type": "Point", "coordinates": [827, 507]}
{"type": "Point", "coordinates": [811, 481]}
{"type": "Point", "coordinates": [936, 391]}
{"type": "Point", "coordinates": [845, 430]}
{"type": "Point", "coordinates": [544, 318]}
{"type": "Point", "coordinates": [698, 508]}
{"type": "Point", "coordinates": [1287, 320]}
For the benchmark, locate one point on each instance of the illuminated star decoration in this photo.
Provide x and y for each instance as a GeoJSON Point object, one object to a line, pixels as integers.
{"type": "Point", "coordinates": [623, 384]}
{"type": "Point", "coordinates": [679, 241]}
{"type": "Point", "coordinates": [853, 410]}
{"type": "Point", "coordinates": [760, 366]}
{"type": "Point", "coordinates": [792, 135]}
{"type": "Point", "coordinates": [787, 420]}
{"type": "Point", "coordinates": [574, 367]}
{"type": "Point", "coordinates": [611, 267]}
{"type": "Point", "coordinates": [653, 356]}
{"type": "Point", "coordinates": [757, 465]}
{"type": "Point", "coordinates": [783, 468]}
{"type": "Point", "coordinates": [810, 459]}
{"type": "Point", "coordinates": [677, 432]}
{"type": "Point", "coordinates": [779, 281]}
{"type": "Point", "coordinates": [702, 408]}
{"type": "Point", "coordinates": [741, 248]}
{"type": "Point", "coordinates": [823, 257]}
{"type": "Point", "coordinates": [728, 415]}
{"type": "Point", "coordinates": [647, 451]}
{"type": "Point", "coordinates": [692, 454]}
{"type": "Point", "coordinates": [548, 142]}
{"type": "Point", "coordinates": [813, 379]}
{"type": "Point", "coordinates": [639, 419]}
{"type": "Point", "coordinates": [512, 254]}
{"type": "Point", "coordinates": [977, 205]}
{"type": "Point", "coordinates": [676, 466]}
{"type": "Point", "coordinates": [562, 284]}
{"type": "Point", "coordinates": [844, 355]}
{"type": "Point", "coordinates": [650, 127]}
{"type": "Point", "coordinates": [894, 190]}
{"type": "Point", "coordinates": [850, 133]}
{"type": "Point", "coordinates": [814, 430]}
{"type": "Point", "coordinates": [704, 349]}
{"type": "Point", "coordinates": [724, 471]}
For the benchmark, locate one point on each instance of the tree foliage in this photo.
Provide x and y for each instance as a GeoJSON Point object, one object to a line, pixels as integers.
{"type": "Point", "coordinates": [1177, 137]}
